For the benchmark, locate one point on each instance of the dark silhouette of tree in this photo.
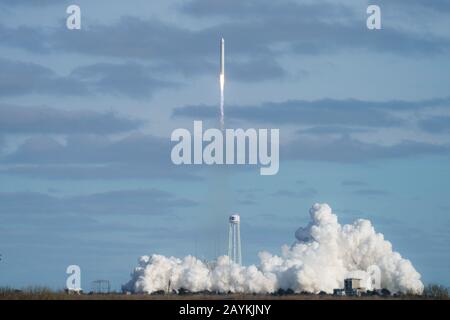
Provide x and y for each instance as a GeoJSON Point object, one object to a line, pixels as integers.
{"type": "Point", "coordinates": [436, 291]}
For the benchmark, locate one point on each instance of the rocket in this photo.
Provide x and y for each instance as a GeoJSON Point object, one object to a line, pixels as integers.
{"type": "Point", "coordinates": [222, 57]}
{"type": "Point", "coordinates": [222, 83]}
{"type": "Point", "coordinates": [222, 64]}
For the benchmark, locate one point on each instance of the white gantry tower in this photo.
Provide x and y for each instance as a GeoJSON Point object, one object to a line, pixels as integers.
{"type": "Point", "coordinates": [234, 239]}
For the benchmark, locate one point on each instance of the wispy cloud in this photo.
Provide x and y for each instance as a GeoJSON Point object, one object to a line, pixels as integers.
{"type": "Point", "coordinates": [122, 202]}
{"type": "Point", "coordinates": [132, 80]}
{"type": "Point", "coordinates": [327, 115]}
{"type": "Point", "coordinates": [19, 78]}
{"type": "Point", "coordinates": [436, 124]}
{"type": "Point", "coordinates": [128, 79]}
{"type": "Point", "coordinates": [95, 156]}
{"type": "Point", "coordinates": [300, 194]}
{"type": "Point", "coordinates": [348, 150]}
{"type": "Point", "coordinates": [35, 3]}
{"type": "Point", "coordinates": [353, 183]}
{"type": "Point", "coordinates": [371, 192]}
{"type": "Point", "coordinates": [319, 112]}
{"type": "Point", "coordinates": [46, 120]}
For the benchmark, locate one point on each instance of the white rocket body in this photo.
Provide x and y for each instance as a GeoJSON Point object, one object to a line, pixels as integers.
{"type": "Point", "coordinates": [222, 56]}
{"type": "Point", "coordinates": [222, 64]}
{"type": "Point", "coordinates": [222, 83]}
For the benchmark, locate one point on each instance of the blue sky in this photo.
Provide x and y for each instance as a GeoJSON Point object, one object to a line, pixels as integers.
{"type": "Point", "coordinates": [86, 117]}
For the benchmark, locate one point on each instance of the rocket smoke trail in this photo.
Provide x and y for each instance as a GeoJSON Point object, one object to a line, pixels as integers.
{"type": "Point", "coordinates": [324, 253]}
{"type": "Point", "coordinates": [222, 83]}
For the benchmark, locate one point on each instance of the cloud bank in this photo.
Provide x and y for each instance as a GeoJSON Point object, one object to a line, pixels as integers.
{"type": "Point", "coordinates": [324, 253]}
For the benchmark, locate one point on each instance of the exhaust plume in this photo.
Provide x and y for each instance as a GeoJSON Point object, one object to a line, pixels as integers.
{"type": "Point", "coordinates": [324, 253]}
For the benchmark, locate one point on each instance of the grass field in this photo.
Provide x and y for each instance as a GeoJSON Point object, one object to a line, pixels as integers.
{"type": "Point", "coordinates": [46, 294]}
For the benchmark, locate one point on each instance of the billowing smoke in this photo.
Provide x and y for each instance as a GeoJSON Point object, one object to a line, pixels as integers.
{"type": "Point", "coordinates": [324, 254]}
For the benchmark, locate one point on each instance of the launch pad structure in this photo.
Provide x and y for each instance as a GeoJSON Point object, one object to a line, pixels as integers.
{"type": "Point", "coordinates": [234, 239]}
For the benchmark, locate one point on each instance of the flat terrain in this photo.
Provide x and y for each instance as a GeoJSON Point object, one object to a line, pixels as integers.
{"type": "Point", "coordinates": [65, 296]}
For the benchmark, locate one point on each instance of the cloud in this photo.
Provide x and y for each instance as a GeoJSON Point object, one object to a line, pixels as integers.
{"type": "Point", "coordinates": [247, 202]}
{"type": "Point", "coordinates": [136, 148]}
{"type": "Point", "coordinates": [330, 130]}
{"type": "Point", "coordinates": [331, 124]}
{"type": "Point", "coordinates": [439, 6]}
{"type": "Point", "coordinates": [258, 33]}
{"type": "Point", "coordinates": [304, 193]}
{"type": "Point", "coordinates": [152, 39]}
{"type": "Point", "coordinates": [28, 38]}
{"type": "Point", "coordinates": [143, 202]}
{"type": "Point", "coordinates": [101, 171]}
{"type": "Point", "coordinates": [169, 47]}
{"type": "Point", "coordinates": [122, 202]}
{"type": "Point", "coordinates": [353, 183]}
{"type": "Point", "coordinates": [310, 28]}
{"type": "Point", "coordinates": [349, 150]}
{"type": "Point", "coordinates": [34, 3]}
{"type": "Point", "coordinates": [135, 156]}
{"type": "Point", "coordinates": [319, 112]}
{"type": "Point", "coordinates": [263, 8]}
{"type": "Point", "coordinates": [324, 253]}
{"type": "Point", "coordinates": [24, 202]}
{"type": "Point", "coordinates": [44, 120]}
{"type": "Point", "coordinates": [258, 69]}
{"type": "Point", "coordinates": [371, 192]}
{"type": "Point", "coordinates": [18, 78]}
{"type": "Point", "coordinates": [325, 116]}
{"type": "Point", "coordinates": [436, 125]}
{"type": "Point", "coordinates": [128, 79]}
{"type": "Point", "coordinates": [162, 48]}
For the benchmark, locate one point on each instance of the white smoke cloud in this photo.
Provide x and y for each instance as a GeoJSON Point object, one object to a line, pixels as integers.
{"type": "Point", "coordinates": [324, 254]}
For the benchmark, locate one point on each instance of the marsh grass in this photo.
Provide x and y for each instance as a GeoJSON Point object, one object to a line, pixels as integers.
{"type": "Point", "coordinates": [431, 292]}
